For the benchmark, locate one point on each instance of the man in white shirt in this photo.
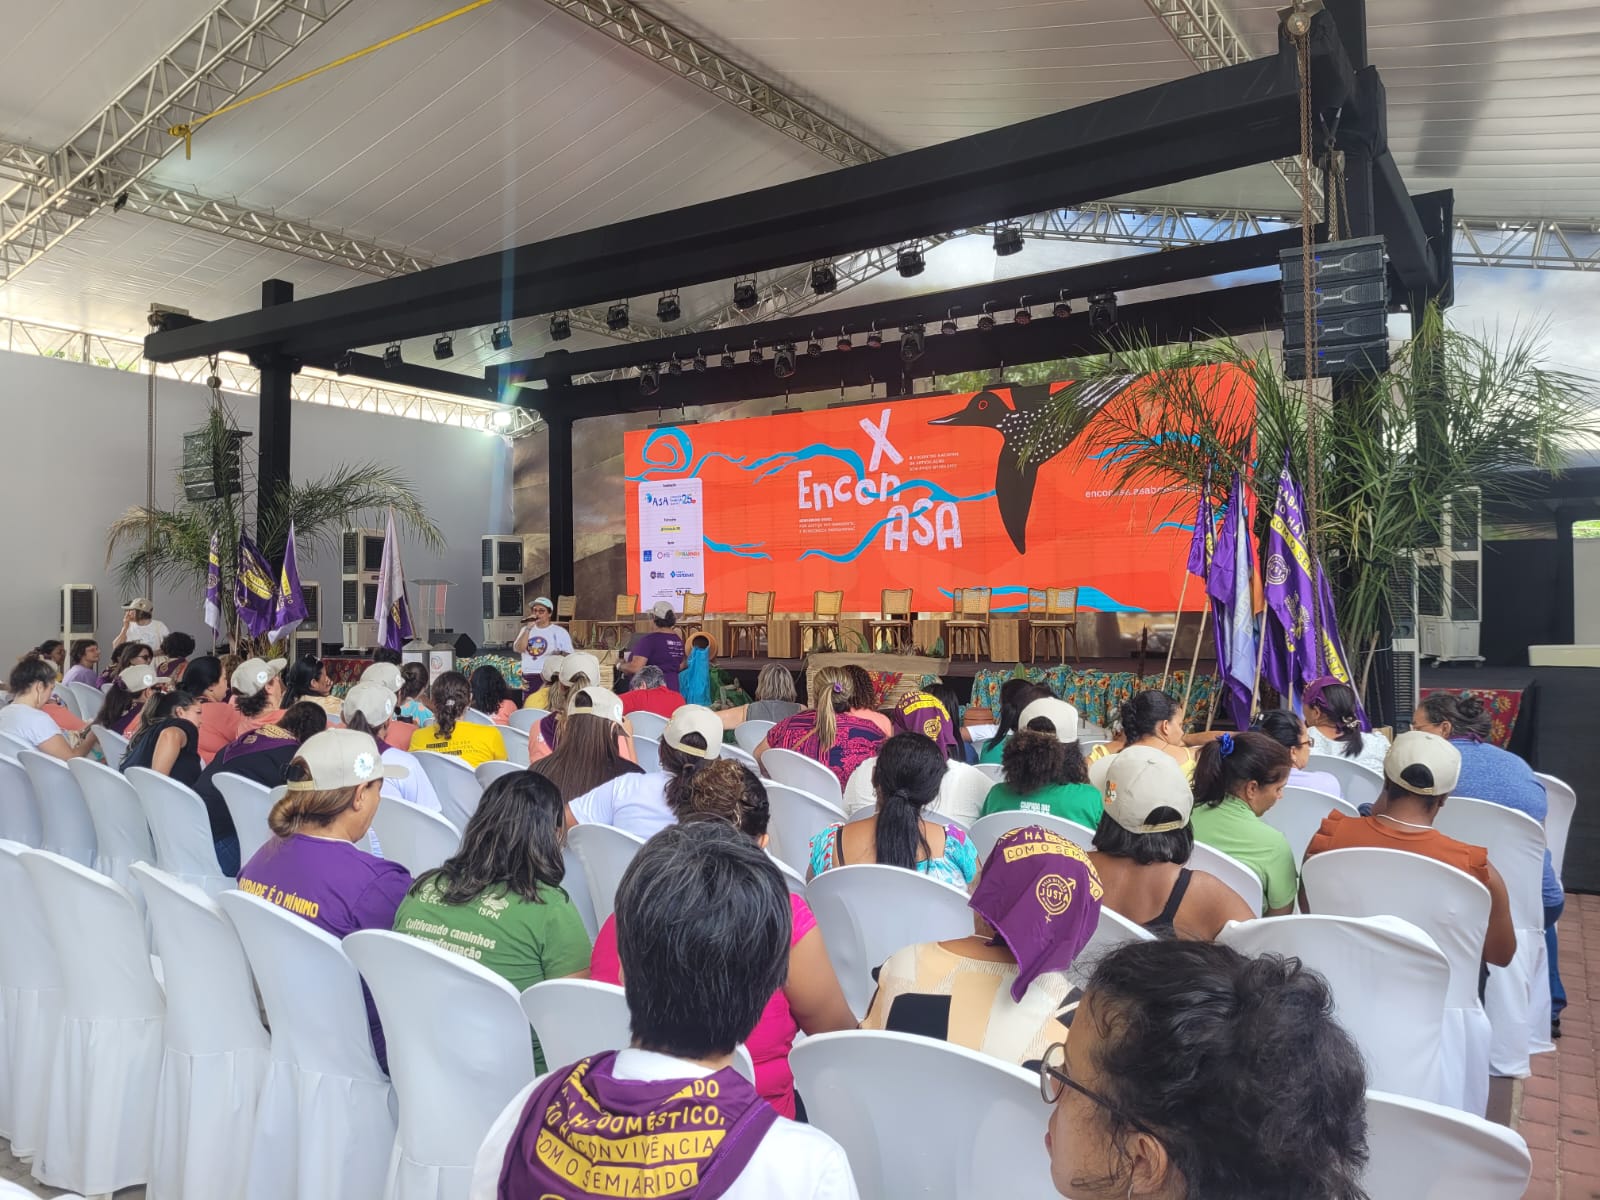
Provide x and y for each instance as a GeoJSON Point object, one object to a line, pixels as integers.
{"type": "Point", "coordinates": [538, 637]}
{"type": "Point", "coordinates": [586, 1130]}
{"type": "Point", "coordinates": [139, 625]}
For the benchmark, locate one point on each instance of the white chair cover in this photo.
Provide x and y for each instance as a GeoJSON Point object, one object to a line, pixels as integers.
{"type": "Point", "coordinates": [107, 1063]}
{"type": "Point", "coordinates": [1360, 784]}
{"type": "Point", "coordinates": [867, 912]}
{"type": "Point", "coordinates": [90, 700]}
{"type": "Point", "coordinates": [415, 838]}
{"type": "Point", "coordinates": [576, 884]}
{"type": "Point", "coordinates": [743, 758]}
{"type": "Point", "coordinates": [524, 719]}
{"type": "Point", "coordinates": [795, 817]}
{"type": "Point", "coordinates": [1231, 871]}
{"type": "Point", "coordinates": [62, 696]}
{"type": "Point", "coordinates": [1517, 997]}
{"type": "Point", "coordinates": [868, 1090]}
{"type": "Point", "coordinates": [994, 771]}
{"type": "Point", "coordinates": [122, 837]}
{"type": "Point", "coordinates": [1390, 985]}
{"type": "Point", "coordinates": [516, 743]}
{"type": "Point", "coordinates": [30, 1005]}
{"type": "Point", "coordinates": [797, 771]}
{"type": "Point", "coordinates": [986, 831]}
{"type": "Point", "coordinates": [647, 724]}
{"type": "Point", "coordinates": [605, 853]}
{"type": "Point", "coordinates": [795, 880]}
{"type": "Point", "coordinates": [325, 1119]}
{"type": "Point", "coordinates": [217, 1052]}
{"type": "Point", "coordinates": [68, 829]}
{"type": "Point", "coordinates": [457, 787]}
{"type": "Point", "coordinates": [11, 746]}
{"type": "Point", "coordinates": [112, 745]}
{"type": "Point", "coordinates": [1450, 907]}
{"type": "Point", "coordinates": [1299, 813]}
{"type": "Point", "coordinates": [475, 716]}
{"type": "Point", "coordinates": [1110, 931]}
{"type": "Point", "coordinates": [450, 1089]}
{"type": "Point", "coordinates": [487, 773]}
{"type": "Point", "coordinates": [19, 811]}
{"type": "Point", "coordinates": [1562, 803]}
{"type": "Point", "coordinates": [750, 734]}
{"type": "Point", "coordinates": [248, 804]}
{"type": "Point", "coordinates": [181, 830]}
{"type": "Point", "coordinates": [648, 752]}
{"type": "Point", "coordinates": [1422, 1151]}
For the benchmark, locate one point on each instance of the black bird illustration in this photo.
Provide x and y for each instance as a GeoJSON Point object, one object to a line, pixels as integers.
{"type": "Point", "coordinates": [1014, 480]}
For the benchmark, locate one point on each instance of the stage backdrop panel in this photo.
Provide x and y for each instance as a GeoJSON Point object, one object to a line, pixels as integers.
{"type": "Point", "coordinates": [930, 493]}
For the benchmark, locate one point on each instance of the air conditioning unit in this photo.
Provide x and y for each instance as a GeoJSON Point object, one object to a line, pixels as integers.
{"type": "Point", "coordinates": [308, 635]}
{"type": "Point", "coordinates": [80, 612]}
{"type": "Point", "coordinates": [502, 589]}
{"type": "Point", "coordinates": [1450, 578]}
{"type": "Point", "coordinates": [361, 562]}
{"type": "Point", "coordinates": [1405, 646]}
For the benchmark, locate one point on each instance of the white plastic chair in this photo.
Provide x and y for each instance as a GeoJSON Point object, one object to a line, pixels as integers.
{"type": "Point", "coordinates": [1390, 985]}
{"type": "Point", "coordinates": [794, 880]}
{"type": "Point", "coordinates": [575, 882]}
{"type": "Point", "coordinates": [180, 830]}
{"type": "Point", "coordinates": [1111, 930]}
{"type": "Point", "coordinates": [605, 853]}
{"type": "Point", "coordinates": [1231, 871]}
{"type": "Point", "coordinates": [1517, 996]}
{"type": "Point", "coordinates": [648, 752]}
{"type": "Point", "coordinates": [19, 811]}
{"type": "Point", "coordinates": [868, 1091]}
{"type": "Point", "coordinates": [993, 770]}
{"type": "Point", "coordinates": [797, 771]}
{"type": "Point", "coordinates": [415, 838]}
{"type": "Point", "coordinates": [647, 724]}
{"type": "Point", "coordinates": [10, 746]}
{"type": "Point", "coordinates": [217, 1052]}
{"type": "Point", "coordinates": [107, 1063]}
{"type": "Point", "coordinates": [487, 773]}
{"type": "Point", "coordinates": [69, 701]}
{"type": "Point", "coordinates": [795, 817]}
{"type": "Point", "coordinates": [1299, 813]}
{"type": "Point", "coordinates": [90, 700]}
{"type": "Point", "coordinates": [1562, 803]}
{"type": "Point", "coordinates": [1450, 907]}
{"type": "Point", "coordinates": [450, 1089]}
{"type": "Point", "coordinates": [516, 744]}
{"type": "Point", "coordinates": [474, 716]}
{"type": "Point", "coordinates": [248, 804]}
{"type": "Point", "coordinates": [986, 831]}
{"type": "Point", "coordinates": [1360, 784]}
{"type": "Point", "coordinates": [524, 719]}
{"type": "Point", "coordinates": [324, 1121]}
{"type": "Point", "coordinates": [1422, 1151]}
{"type": "Point", "coordinates": [122, 836]}
{"type": "Point", "coordinates": [867, 912]}
{"type": "Point", "coordinates": [457, 787]}
{"type": "Point", "coordinates": [68, 828]}
{"type": "Point", "coordinates": [112, 745]}
{"type": "Point", "coordinates": [742, 757]}
{"type": "Point", "coordinates": [750, 734]}
{"type": "Point", "coordinates": [30, 999]}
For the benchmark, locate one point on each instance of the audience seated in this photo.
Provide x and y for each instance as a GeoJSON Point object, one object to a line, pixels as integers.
{"type": "Point", "coordinates": [139, 625]}
{"type": "Point", "coordinates": [1141, 844]}
{"type": "Point", "coordinates": [491, 695]}
{"type": "Point", "coordinates": [392, 679]}
{"type": "Point", "coordinates": [644, 803]}
{"type": "Point", "coordinates": [1239, 777]}
{"type": "Point", "coordinates": [921, 712]}
{"type": "Point", "coordinates": [550, 673]}
{"type": "Point", "coordinates": [649, 693]}
{"type": "Point", "coordinates": [1044, 769]}
{"type": "Point", "coordinates": [169, 737]}
{"type": "Point", "coordinates": [1289, 731]}
{"type": "Point", "coordinates": [313, 866]}
{"type": "Point", "coordinates": [1334, 727]}
{"type": "Point", "coordinates": [172, 658]}
{"type": "Point", "coordinates": [828, 731]}
{"type": "Point", "coordinates": [809, 999]}
{"type": "Point", "coordinates": [864, 699]}
{"type": "Point", "coordinates": [591, 750]}
{"type": "Point", "coordinates": [1195, 1072]}
{"type": "Point", "coordinates": [31, 683]}
{"type": "Point", "coordinates": [85, 666]}
{"type": "Point", "coordinates": [906, 779]}
{"type": "Point", "coordinates": [262, 756]}
{"type": "Point", "coordinates": [1151, 718]}
{"type": "Point", "coordinates": [307, 679]}
{"type": "Point", "coordinates": [962, 750]}
{"type": "Point", "coordinates": [55, 650]}
{"type": "Point", "coordinates": [258, 690]}
{"type": "Point", "coordinates": [574, 672]}
{"type": "Point", "coordinates": [1002, 990]}
{"type": "Point", "coordinates": [128, 654]}
{"type": "Point", "coordinates": [220, 722]}
{"type": "Point", "coordinates": [498, 899]}
{"type": "Point", "coordinates": [963, 787]}
{"type": "Point", "coordinates": [369, 708]}
{"type": "Point", "coordinates": [1015, 695]}
{"type": "Point", "coordinates": [413, 709]}
{"type": "Point", "coordinates": [119, 711]}
{"type": "Point", "coordinates": [1420, 771]}
{"type": "Point", "coordinates": [704, 936]}
{"type": "Point", "coordinates": [662, 647]}
{"type": "Point", "coordinates": [472, 743]}
{"type": "Point", "coordinates": [775, 699]}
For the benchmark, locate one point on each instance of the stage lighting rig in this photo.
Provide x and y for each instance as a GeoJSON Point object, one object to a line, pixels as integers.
{"type": "Point", "coordinates": [649, 379]}
{"type": "Point", "coordinates": [674, 367]}
{"type": "Point", "coordinates": [813, 346]}
{"type": "Point", "coordinates": [949, 326]}
{"type": "Point", "coordinates": [912, 342]}
{"type": "Point", "coordinates": [617, 316]}
{"type": "Point", "coordinates": [745, 294]}
{"type": "Point", "coordinates": [344, 362]}
{"type": "Point", "coordinates": [910, 262]}
{"type": "Point", "coordinates": [874, 338]}
{"type": "Point", "coordinates": [843, 342]}
{"type": "Point", "coordinates": [391, 356]}
{"type": "Point", "coordinates": [1102, 311]}
{"type": "Point", "coordinates": [1062, 308]}
{"type": "Point", "coordinates": [727, 357]}
{"type": "Point", "coordinates": [444, 346]}
{"type": "Point", "coordinates": [700, 362]}
{"type": "Point", "coordinates": [560, 326]}
{"type": "Point", "coordinates": [986, 318]}
{"type": "Point", "coordinates": [669, 308]}
{"type": "Point", "coordinates": [1007, 241]}
{"type": "Point", "coordinates": [500, 338]}
{"type": "Point", "coordinates": [783, 365]}
{"type": "Point", "coordinates": [1024, 314]}
{"type": "Point", "coordinates": [824, 279]}
{"type": "Point", "coordinates": [755, 352]}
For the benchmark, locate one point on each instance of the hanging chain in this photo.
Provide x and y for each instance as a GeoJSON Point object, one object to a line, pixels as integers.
{"type": "Point", "coordinates": [1308, 299]}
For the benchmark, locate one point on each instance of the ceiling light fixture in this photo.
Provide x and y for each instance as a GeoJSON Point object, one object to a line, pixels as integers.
{"type": "Point", "coordinates": [444, 346]}
{"type": "Point", "coordinates": [843, 342]}
{"type": "Point", "coordinates": [391, 356]}
{"type": "Point", "coordinates": [674, 367]}
{"type": "Point", "coordinates": [911, 342]}
{"type": "Point", "coordinates": [500, 339]}
{"type": "Point", "coordinates": [560, 326]}
{"type": "Point", "coordinates": [824, 278]}
{"type": "Point", "coordinates": [986, 317]}
{"type": "Point", "coordinates": [1102, 311]}
{"type": "Point", "coordinates": [1062, 308]}
{"type": "Point", "coordinates": [783, 364]}
{"type": "Point", "coordinates": [814, 347]}
{"type": "Point", "coordinates": [649, 379]}
{"type": "Point", "coordinates": [949, 325]}
{"type": "Point", "coordinates": [617, 316]}
{"type": "Point", "coordinates": [668, 308]}
{"type": "Point", "coordinates": [1007, 241]}
{"type": "Point", "coordinates": [910, 262]}
{"type": "Point", "coordinates": [700, 361]}
{"type": "Point", "coordinates": [755, 352]}
{"type": "Point", "coordinates": [727, 357]}
{"type": "Point", "coordinates": [745, 294]}
{"type": "Point", "coordinates": [874, 338]}
{"type": "Point", "coordinates": [1024, 314]}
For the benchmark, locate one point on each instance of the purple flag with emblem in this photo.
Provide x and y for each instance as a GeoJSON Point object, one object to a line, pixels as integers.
{"type": "Point", "coordinates": [214, 588]}
{"type": "Point", "coordinates": [289, 606]}
{"type": "Point", "coordinates": [1288, 574]}
{"type": "Point", "coordinates": [252, 588]}
{"type": "Point", "coordinates": [1201, 542]}
{"type": "Point", "coordinates": [1229, 586]}
{"type": "Point", "coordinates": [394, 611]}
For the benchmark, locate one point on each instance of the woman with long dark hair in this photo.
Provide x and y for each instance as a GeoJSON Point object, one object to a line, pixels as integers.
{"type": "Point", "coordinates": [220, 722]}
{"type": "Point", "coordinates": [644, 803]}
{"type": "Point", "coordinates": [1289, 731]}
{"type": "Point", "coordinates": [1015, 695]}
{"type": "Point", "coordinates": [451, 733]}
{"type": "Point", "coordinates": [261, 755]}
{"type": "Point", "coordinates": [169, 738]}
{"type": "Point", "coordinates": [1334, 725]}
{"type": "Point", "coordinates": [1151, 718]}
{"type": "Point", "coordinates": [588, 754]}
{"type": "Point", "coordinates": [172, 660]}
{"type": "Point", "coordinates": [119, 711]}
{"type": "Point", "coordinates": [31, 683]}
{"type": "Point", "coordinates": [307, 679]}
{"type": "Point", "coordinates": [491, 696]}
{"type": "Point", "coordinates": [1238, 779]}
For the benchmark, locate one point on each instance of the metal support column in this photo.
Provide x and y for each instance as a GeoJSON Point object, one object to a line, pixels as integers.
{"type": "Point", "coordinates": [558, 429]}
{"type": "Point", "coordinates": [273, 425]}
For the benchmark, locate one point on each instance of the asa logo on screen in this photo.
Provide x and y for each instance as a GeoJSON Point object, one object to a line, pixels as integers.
{"type": "Point", "coordinates": [670, 499]}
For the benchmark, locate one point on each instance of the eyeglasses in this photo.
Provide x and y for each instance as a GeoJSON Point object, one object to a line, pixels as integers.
{"type": "Point", "coordinates": [1305, 744]}
{"type": "Point", "coordinates": [1053, 1080]}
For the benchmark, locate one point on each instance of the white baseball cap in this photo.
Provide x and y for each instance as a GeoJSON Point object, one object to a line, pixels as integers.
{"type": "Point", "coordinates": [551, 670]}
{"type": "Point", "coordinates": [253, 674]}
{"type": "Point", "coordinates": [139, 604]}
{"type": "Point", "coordinates": [541, 602]}
{"type": "Point", "coordinates": [137, 677]}
{"type": "Point", "coordinates": [661, 610]}
{"type": "Point", "coordinates": [342, 758]}
{"type": "Point", "coordinates": [385, 675]}
{"type": "Point", "coordinates": [372, 700]}
{"type": "Point", "coordinates": [1058, 712]}
{"type": "Point", "coordinates": [1417, 749]}
{"type": "Point", "coordinates": [694, 718]}
{"type": "Point", "coordinates": [583, 664]}
{"type": "Point", "coordinates": [596, 702]}
{"type": "Point", "coordinates": [1142, 779]}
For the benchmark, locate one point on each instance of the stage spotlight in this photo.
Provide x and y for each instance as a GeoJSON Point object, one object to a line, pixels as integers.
{"type": "Point", "coordinates": [727, 357]}
{"type": "Point", "coordinates": [911, 342]}
{"type": "Point", "coordinates": [910, 262]}
{"type": "Point", "coordinates": [344, 362]}
{"type": "Point", "coordinates": [1102, 311]}
{"type": "Point", "coordinates": [824, 278]}
{"type": "Point", "coordinates": [874, 338]}
{"type": "Point", "coordinates": [617, 316]}
{"type": "Point", "coordinates": [560, 326]}
{"type": "Point", "coordinates": [986, 318]}
{"type": "Point", "coordinates": [814, 347]}
{"type": "Point", "coordinates": [700, 361]}
{"type": "Point", "coordinates": [843, 342]}
{"type": "Point", "coordinates": [1024, 314]}
{"type": "Point", "coordinates": [755, 352]}
{"type": "Point", "coordinates": [674, 367]}
{"type": "Point", "coordinates": [1007, 241]}
{"type": "Point", "coordinates": [391, 356]}
{"type": "Point", "coordinates": [444, 347]}
{"type": "Point", "coordinates": [949, 325]}
{"type": "Point", "coordinates": [1063, 309]}
{"type": "Point", "coordinates": [502, 419]}
{"type": "Point", "coordinates": [745, 294]}
{"type": "Point", "coordinates": [500, 339]}
{"type": "Point", "coordinates": [783, 363]}
{"type": "Point", "coordinates": [649, 379]}
{"type": "Point", "coordinates": [668, 308]}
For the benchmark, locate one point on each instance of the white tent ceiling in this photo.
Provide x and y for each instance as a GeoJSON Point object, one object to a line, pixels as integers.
{"type": "Point", "coordinates": [519, 122]}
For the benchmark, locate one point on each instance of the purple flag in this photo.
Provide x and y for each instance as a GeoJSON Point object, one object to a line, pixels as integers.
{"type": "Point", "coordinates": [252, 588]}
{"type": "Point", "coordinates": [1331, 646]}
{"type": "Point", "coordinates": [289, 606]}
{"type": "Point", "coordinates": [1229, 586]}
{"type": "Point", "coordinates": [1204, 537]}
{"type": "Point", "coordinates": [394, 611]}
{"type": "Point", "coordinates": [214, 588]}
{"type": "Point", "coordinates": [1291, 657]}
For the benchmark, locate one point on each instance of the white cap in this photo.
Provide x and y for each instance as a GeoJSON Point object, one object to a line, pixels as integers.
{"type": "Point", "coordinates": [253, 674]}
{"type": "Point", "coordinates": [542, 602]}
{"type": "Point", "coordinates": [137, 677]}
{"type": "Point", "coordinates": [1418, 749]}
{"type": "Point", "coordinates": [1140, 780]}
{"type": "Point", "coordinates": [580, 663]}
{"type": "Point", "coordinates": [694, 718]}
{"type": "Point", "coordinates": [661, 610]}
{"type": "Point", "coordinates": [372, 700]}
{"type": "Point", "coordinates": [597, 702]}
{"type": "Point", "coordinates": [385, 675]}
{"type": "Point", "coordinates": [341, 758]}
{"type": "Point", "coordinates": [551, 669]}
{"type": "Point", "coordinates": [139, 604]}
{"type": "Point", "coordinates": [1058, 712]}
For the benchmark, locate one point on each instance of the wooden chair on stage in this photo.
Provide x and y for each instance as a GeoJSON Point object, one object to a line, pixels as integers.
{"type": "Point", "coordinates": [753, 625]}
{"type": "Point", "coordinates": [825, 610]}
{"type": "Point", "coordinates": [968, 629]}
{"type": "Point", "coordinates": [566, 609]}
{"type": "Point", "coordinates": [1053, 613]}
{"type": "Point", "coordinates": [693, 617]}
{"type": "Point", "coordinates": [620, 626]}
{"type": "Point", "coordinates": [894, 620]}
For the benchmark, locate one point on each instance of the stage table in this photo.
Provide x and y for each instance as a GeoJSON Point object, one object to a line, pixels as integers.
{"type": "Point", "coordinates": [783, 638]}
{"type": "Point", "coordinates": [926, 632]}
{"type": "Point", "coordinates": [1006, 639]}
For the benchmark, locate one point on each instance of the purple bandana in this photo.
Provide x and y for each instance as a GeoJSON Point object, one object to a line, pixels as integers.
{"type": "Point", "coordinates": [585, 1133]}
{"type": "Point", "coordinates": [1042, 897]}
{"type": "Point", "coordinates": [921, 713]}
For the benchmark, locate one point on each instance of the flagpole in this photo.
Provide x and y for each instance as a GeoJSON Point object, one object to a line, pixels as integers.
{"type": "Point", "coordinates": [1177, 623]}
{"type": "Point", "coordinates": [1261, 652]}
{"type": "Point", "coordinates": [1194, 660]}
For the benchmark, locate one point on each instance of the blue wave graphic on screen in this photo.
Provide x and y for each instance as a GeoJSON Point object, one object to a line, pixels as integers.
{"type": "Point", "coordinates": [1173, 525]}
{"type": "Point", "coordinates": [737, 549]}
{"type": "Point", "coordinates": [679, 452]}
{"type": "Point", "coordinates": [1125, 450]}
{"type": "Point", "coordinates": [1088, 597]}
{"type": "Point", "coordinates": [936, 493]}
{"type": "Point", "coordinates": [774, 463]}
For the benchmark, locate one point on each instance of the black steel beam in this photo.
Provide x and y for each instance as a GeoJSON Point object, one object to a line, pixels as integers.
{"type": "Point", "coordinates": [273, 422]}
{"type": "Point", "coordinates": [412, 375]}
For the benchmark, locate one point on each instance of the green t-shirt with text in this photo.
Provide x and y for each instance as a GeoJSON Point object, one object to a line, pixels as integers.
{"type": "Point", "coordinates": [1078, 802]}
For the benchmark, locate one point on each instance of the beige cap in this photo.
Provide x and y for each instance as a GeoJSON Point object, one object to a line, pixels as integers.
{"type": "Point", "coordinates": [1058, 712]}
{"type": "Point", "coordinates": [342, 758]}
{"type": "Point", "coordinates": [694, 718]}
{"type": "Point", "coordinates": [372, 700]}
{"type": "Point", "coordinates": [596, 702]}
{"type": "Point", "coordinates": [137, 677]}
{"type": "Point", "coordinates": [1418, 749]}
{"type": "Point", "coordinates": [551, 668]}
{"type": "Point", "coordinates": [385, 675]}
{"type": "Point", "coordinates": [661, 610]}
{"type": "Point", "coordinates": [1140, 780]}
{"type": "Point", "coordinates": [253, 674]}
{"type": "Point", "coordinates": [583, 664]}
{"type": "Point", "coordinates": [139, 604]}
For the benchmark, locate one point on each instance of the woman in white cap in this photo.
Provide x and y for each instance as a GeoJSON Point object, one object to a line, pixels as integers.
{"type": "Point", "coordinates": [369, 708]}
{"type": "Point", "coordinates": [1143, 840]}
{"type": "Point", "coordinates": [31, 683]}
{"type": "Point", "coordinates": [578, 671]}
{"type": "Point", "coordinates": [450, 734]}
{"type": "Point", "coordinates": [538, 637]}
{"type": "Point", "coordinates": [662, 647]}
{"type": "Point", "coordinates": [139, 625]}
{"type": "Point", "coordinates": [119, 711]}
{"type": "Point", "coordinates": [314, 866]}
{"type": "Point", "coordinates": [1044, 769]}
{"type": "Point", "coordinates": [590, 750]}
{"type": "Point", "coordinates": [644, 803]}
{"type": "Point", "coordinates": [398, 731]}
{"type": "Point", "coordinates": [258, 690]}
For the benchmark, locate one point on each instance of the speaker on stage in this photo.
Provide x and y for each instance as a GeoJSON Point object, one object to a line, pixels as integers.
{"type": "Point", "coordinates": [1350, 308]}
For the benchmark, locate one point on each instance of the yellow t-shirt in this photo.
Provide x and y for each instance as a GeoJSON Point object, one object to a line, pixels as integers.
{"type": "Point", "coordinates": [473, 744]}
{"type": "Point", "coordinates": [1104, 750]}
{"type": "Point", "coordinates": [539, 699]}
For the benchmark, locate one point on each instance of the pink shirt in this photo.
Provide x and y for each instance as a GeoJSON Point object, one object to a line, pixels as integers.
{"type": "Point", "coordinates": [774, 1033]}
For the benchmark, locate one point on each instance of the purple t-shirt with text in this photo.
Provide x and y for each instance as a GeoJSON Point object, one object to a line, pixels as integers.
{"type": "Point", "coordinates": [664, 649]}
